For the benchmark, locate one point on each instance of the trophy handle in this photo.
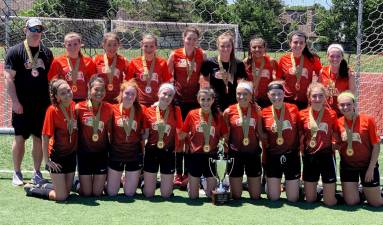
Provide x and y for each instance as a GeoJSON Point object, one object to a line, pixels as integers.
{"type": "Point", "coordinates": [211, 160]}
{"type": "Point", "coordinates": [231, 161]}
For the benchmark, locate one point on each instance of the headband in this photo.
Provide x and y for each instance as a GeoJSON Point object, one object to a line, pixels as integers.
{"type": "Point", "coordinates": [346, 94]}
{"type": "Point", "coordinates": [167, 85]}
{"type": "Point", "coordinates": [275, 86]}
{"type": "Point", "coordinates": [338, 46]}
{"type": "Point", "coordinates": [246, 86]}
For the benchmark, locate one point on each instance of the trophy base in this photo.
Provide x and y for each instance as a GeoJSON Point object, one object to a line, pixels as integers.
{"type": "Point", "coordinates": [220, 198]}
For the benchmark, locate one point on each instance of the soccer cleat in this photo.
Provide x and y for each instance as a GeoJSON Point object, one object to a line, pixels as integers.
{"type": "Point", "coordinates": [17, 179]}
{"type": "Point", "coordinates": [177, 180]}
{"type": "Point", "coordinates": [38, 178]}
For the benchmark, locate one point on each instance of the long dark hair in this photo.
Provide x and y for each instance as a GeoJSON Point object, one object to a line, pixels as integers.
{"type": "Point", "coordinates": [306, 51]}
{"type": "Point", "coordinates": [233, 60]}
{"type": "Point", "coordinates": [249, 58]}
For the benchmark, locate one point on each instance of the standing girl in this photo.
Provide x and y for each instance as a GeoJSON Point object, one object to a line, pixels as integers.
{"type": "Point", "coordinates": [111, 66]}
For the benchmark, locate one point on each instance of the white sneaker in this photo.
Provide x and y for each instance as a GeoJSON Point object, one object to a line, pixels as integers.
{"type": "Point", "coordinates": [17, 179]}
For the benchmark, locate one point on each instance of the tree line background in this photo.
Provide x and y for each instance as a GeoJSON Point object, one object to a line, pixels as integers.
{"type": "Point", "coordinates": [337, 23]}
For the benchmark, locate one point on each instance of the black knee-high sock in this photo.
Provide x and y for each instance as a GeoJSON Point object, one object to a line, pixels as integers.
{"type": "Point", "coordinates": [179, 163]}
{"type": "Point", "coordinates": [39, 192]}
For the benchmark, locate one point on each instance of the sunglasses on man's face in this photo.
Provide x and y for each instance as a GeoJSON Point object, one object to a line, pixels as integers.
{"type": "Point", "coordinates": [35, 29]}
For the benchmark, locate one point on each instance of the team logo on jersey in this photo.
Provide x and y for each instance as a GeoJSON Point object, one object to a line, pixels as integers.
{"type": "Point", "coordinates": [154, 77]}
{"type": "Point", "coordinates": [119, 123]}
{"type": "Point", "coordinates": [117, 72]}
{"type": "Point", "coordinates": [80, 76]}
{"type": "Point", "coordinates": [168, 128]}
{"type": "Point", "coordinates": [88, 121]}
{"type": "Point", "coordinates": [305, 72]}
{"type": "Point", "coordinates": [39, 64]}
{"type": "Point", "coordinates": [264, 73]}
{"type": "Point", "coordinates": [322, 127]}
{"type": "Point", "coordinates": [183, 64]}
{"type": "Point", "coordinates": [199, 128]}
{"type": "Point", "coordinates": [355, 137]}
{"type": "Point", "coordinates": [252, 123]}
{"type": "Point", "coordinates": [285, 125]}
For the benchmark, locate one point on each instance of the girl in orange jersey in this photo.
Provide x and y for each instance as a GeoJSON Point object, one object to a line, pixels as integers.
{"type": "Point", "coordinates": [149, 70]}
{"type": "Point", "coordinates": [59, 142]}
{"type": "Point", "coordinates": [318, 125]}
{"type": "Point", "coordinates": [244, 122]}
{"type": "Point", "coordinates": [280, 123]}
{"type": "Point", "coordinates": [111, 66]}
{"type": "Point", "coordinates": [260, 69]}
{"type": "Point", "coordinates": [297, 68]}
{"type": "Point", "coordinates": [185, 65]}
{"type": "Point", "coordinates": [126, 141]}
{"type": "Point", "coordinates": [359, 153]}
{"type": "Point", "coordinates": [94, 120]}
{"type": "Point", "coordinates": [336, 77]}
{"type": "Point", "coordinates": [163, 122]}
{"type": "Point", "coordinates": [223, 71]}
{"type": "Point", "coordinates": [205, 127]}
{"type": "Point", "coordinates": [73, 66]}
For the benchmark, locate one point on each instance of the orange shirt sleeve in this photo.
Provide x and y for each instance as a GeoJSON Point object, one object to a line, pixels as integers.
{"type": "Point", "coordinates": [54, 70]}
{"type": "Point", "coordinates": [178, 118]}
{"type": "Point", "coordinates": [374, 138]}
{"type": "Point", "coordinates": [131, 70]}
{"type": "Point", "coordinates": [165, 72]}
{"type": "Point", "coordinates": [279, 70]}
{"type": "Point", "coordinates": [317, 66]}
{"type": "Point", "coordinates": [48, 127]}
{"type": "Point", "coordinates": [186, 125]}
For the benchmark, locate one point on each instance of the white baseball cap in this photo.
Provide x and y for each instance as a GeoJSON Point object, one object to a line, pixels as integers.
{"type": "Point", "coordinates": [32, 22]}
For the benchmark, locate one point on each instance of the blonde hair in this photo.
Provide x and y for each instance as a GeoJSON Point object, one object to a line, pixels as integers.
{"type": "Point", "coordinates": [73, 35]}
{"type": "Point", "coordinates": [316, 85]}
{"type": "Point", "coordinates": [150, 36]}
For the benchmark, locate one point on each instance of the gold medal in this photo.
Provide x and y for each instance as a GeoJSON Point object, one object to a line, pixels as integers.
{"type": "Point", "coordinates": [313, 143]}
{"type": "Point", "coordinates": [110, 87]}
{"type": "Point", "coordinates": [95, 137]}
{"type": "Point", "coordinates": [206, 148]}
{"type": "Point", "coordinates": [280, 140]}
{"type": "Point", "coordinates": [160, 144]}
{"type": "Point", "coordinates": [35, 72]}
{"type": "Point", "coordinates": [350, 152]}
{"type": "Point", "coordinates": [74, 88]}
{"type": "Point", "coordinates": [297, 86]}
{"type": "Point", "coordinates": [245, 141]}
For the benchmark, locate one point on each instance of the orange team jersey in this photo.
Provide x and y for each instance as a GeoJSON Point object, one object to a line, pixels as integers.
{"type": "Point", "coordinates": [55, 127]}
{"type": "Point", "coordinates": [236, 133]}
{"type": "Point", "coordinates": [160, 75]}
{"type": "Point", "coordinates": [187, 90]}
{"type": "Point", "coordinates": [192, 126]}
{"type": "Point", "coordinates": [123, 146]}
{"type": "Point", "coordinates": [266, 76]}
{"type": "Point", "coordinates": [289, 129]}
{"type": "Point", "coordinates": [60, 69]}
{"type": "Point", "coordinates": [363, 138]}
{"type": "Point", "coordinates": [285, 72]}
{"type": "Point", "coordinates": [85, 121]}
{"type": "Point", "coordinates": [173, 122]}
{"type": "Point", "coordinates": [341, 84]}
{"type": "Point", "coordinates": [120, 73]}
{"type": "Point", "coordinates": [326, 129]}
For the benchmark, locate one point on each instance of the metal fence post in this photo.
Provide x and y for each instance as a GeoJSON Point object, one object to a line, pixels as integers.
{"type": "Point", "coordinates": [358, 50]}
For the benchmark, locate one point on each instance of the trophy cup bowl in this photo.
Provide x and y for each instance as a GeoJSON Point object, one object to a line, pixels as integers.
{"type": "Point", "coordinates": [220, 195]}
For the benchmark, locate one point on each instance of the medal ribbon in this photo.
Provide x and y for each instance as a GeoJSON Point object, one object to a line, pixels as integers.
{"type": "Point", "coordinates": [245, 121]}
{"type": "Point", "coordinates": [279, 122]}
{"type": "Point", "coordinates": [349, 131]}
{"type": "Point", "coordinates": [161, 123]}
{"type": "Point", "coordinates": [110, 69]}
{"type": "Point", "coordinates": [206, 127]}
{"type": "Point", "coordinates": [127, 126]}
{"type": "Point", "coordinates": [96, 119]}
{"type": "Point", "coordinates": [297, 71]}
{"type": "Point", "coordinates": [226, 75]}
{"type": "Point", "coordinates": [314, 123]}
{"type": "Point", "coordinates": [190, 65]}
{"type": "Point", "coordinates": [69, 121]}
{"type": "Point", "coordinates": [32, 59]}
{"type": "Point", "coordinates": [148, 74]}
{"type": "Point", "coordinates": [73, 71]}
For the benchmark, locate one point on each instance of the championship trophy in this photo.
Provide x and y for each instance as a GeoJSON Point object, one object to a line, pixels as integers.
{"type": "Point", "coordinates": [220, 195]}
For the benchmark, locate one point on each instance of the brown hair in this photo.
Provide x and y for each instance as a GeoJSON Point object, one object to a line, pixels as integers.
{"type": "Point", "coordinates": [249, 58]}
{"type": "Point", "coordinates": [150, 36]}
{"type": "Point", "coordinates": [110, 36]}
{"type": "Point", "coordinates": [233, 61]}
{"type": "Point", "coordinates": [306, 51]}
{"type": "Point", "coordinates": [316, 85]}
{"type": "Point", "coordinates": [91, 82]}
{"type": "Point", "coordinates": [191, 29]}
{"type": "Point", "coordinates": [54, 86]}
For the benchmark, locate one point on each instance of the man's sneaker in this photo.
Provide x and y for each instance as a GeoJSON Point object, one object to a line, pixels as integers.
{"type": "Point", "coordinates": [177, 180]}
{"type": "Point", "coordinates": [38, 178]}
{"type": "Point", "coordinates": [17, 179]}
